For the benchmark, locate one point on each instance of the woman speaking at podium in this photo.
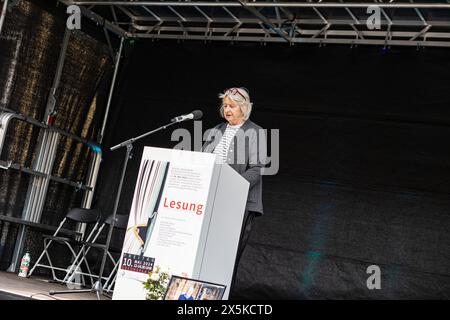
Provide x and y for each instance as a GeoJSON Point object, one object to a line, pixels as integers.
{"type": "Point", "coordinates": [240, 143]}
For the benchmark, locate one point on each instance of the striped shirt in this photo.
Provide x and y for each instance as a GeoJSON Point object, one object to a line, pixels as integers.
{"type": "Point", "coordinates": [221, 150]}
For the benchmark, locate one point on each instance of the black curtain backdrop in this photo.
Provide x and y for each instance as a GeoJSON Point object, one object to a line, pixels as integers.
{"type": "Point", "coordinates": [30, 44]}
{"type": "Point", "coordinates": [364, 159]}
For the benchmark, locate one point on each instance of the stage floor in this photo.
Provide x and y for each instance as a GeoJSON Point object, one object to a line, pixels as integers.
{"type": "Point", "coordinates": [38, 288]}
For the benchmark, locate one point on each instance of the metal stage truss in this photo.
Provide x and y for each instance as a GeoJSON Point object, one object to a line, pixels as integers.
{"type": "Point", "coordinates": [402, 23]}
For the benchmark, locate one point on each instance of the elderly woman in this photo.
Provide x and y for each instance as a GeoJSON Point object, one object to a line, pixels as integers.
{"type": "Point", "coordinates": [240, 143]}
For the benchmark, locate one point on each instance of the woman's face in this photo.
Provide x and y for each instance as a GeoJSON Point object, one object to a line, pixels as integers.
{"type": "Point", "coordinates": [232, 112]}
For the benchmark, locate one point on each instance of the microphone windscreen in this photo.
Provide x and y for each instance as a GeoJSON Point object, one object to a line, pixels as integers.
{"type": "Point", "coordinates": [197, 114]}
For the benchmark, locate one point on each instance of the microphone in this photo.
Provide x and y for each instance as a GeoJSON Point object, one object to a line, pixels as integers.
{"type": "Point", "coordinates": [194, 115]}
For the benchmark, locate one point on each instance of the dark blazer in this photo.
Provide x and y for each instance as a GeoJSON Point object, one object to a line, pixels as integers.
{"type": "Point", "coordinates": [247, 155]}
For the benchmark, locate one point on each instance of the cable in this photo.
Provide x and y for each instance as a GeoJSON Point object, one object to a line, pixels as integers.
{"type": "Point", "coordinates": [43, 294]}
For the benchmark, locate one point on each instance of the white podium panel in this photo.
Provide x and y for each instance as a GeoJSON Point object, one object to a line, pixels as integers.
{"type": "Point", "coordinates": [222, 232]}
{"type": "Point", "coordinates": [185, 217]}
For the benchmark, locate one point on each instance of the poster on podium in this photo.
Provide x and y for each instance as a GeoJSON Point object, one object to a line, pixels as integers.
{"type": "Point", "coordinates": [166, 217]}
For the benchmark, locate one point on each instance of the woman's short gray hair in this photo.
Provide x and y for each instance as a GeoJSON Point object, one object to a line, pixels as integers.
{"type": "Point", "coordinates": [242, 99]}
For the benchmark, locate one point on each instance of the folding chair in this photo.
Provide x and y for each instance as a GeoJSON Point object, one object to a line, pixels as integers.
{"type": "Point", "coordinates": [78, 215]}
{"type": "Point", "coordinates": [121, 223]}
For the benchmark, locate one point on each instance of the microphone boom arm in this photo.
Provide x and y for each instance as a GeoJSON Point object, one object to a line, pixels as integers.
{"type": "Point", "coordinates": [132, 140]}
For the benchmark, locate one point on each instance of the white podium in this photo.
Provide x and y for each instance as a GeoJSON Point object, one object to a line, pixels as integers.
{"type": "Point", "coordinates": [186, 218]}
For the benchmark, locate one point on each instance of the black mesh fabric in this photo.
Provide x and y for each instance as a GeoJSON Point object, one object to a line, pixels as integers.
{"type": "Point", "coordinates": [30, 44]}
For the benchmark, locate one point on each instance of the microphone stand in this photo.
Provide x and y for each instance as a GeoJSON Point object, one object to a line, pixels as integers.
{"type": "Point", "coordinates": [98, 287]}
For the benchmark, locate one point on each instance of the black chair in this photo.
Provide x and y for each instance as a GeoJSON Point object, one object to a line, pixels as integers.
{"type": "Point", "coordinates": [121, 224]}
{"type": "Point", "coordinates": [73, 241]}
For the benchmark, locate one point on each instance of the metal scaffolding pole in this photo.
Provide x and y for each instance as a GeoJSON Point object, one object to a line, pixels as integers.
{"type": "Point", "coordinates": [3, 14]}
{"type": "Point", "coordinates": [46, 152]}
{"type": "Point", "coordinates": [111, 90]}
{"type": "Point", "coordinates": [94, 166]}
{"type": "Point", "coordinates": [264, 4]}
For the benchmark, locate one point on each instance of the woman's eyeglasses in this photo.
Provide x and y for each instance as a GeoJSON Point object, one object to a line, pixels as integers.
{"type": "Point", "coordinates": [235, 91]}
